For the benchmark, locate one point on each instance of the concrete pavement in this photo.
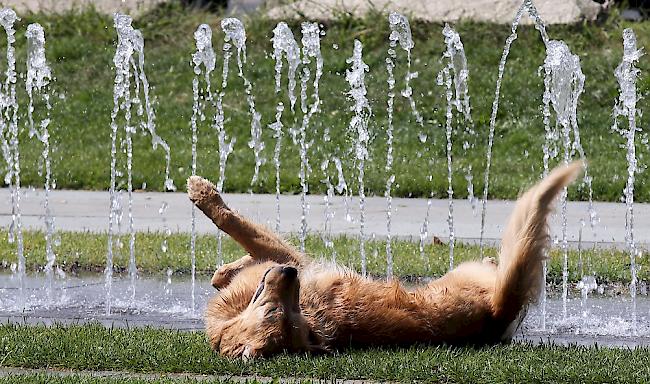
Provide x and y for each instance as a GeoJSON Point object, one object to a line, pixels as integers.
{"type": "Point", "coordinates": [88, 211]}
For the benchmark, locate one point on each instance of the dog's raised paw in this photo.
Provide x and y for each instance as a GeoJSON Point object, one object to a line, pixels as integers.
{"type": "Point", "coordinates": [200, 189]}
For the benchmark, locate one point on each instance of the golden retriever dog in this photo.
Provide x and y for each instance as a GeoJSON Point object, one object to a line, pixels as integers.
{"type": "Point", "coordinates": [277, 300]}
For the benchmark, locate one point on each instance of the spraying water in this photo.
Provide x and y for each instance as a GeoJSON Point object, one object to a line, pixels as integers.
{"type": "Point", "coordinates": [400, 32]}
{"type": "Point", "coordinates": [310, 50]}
{"type": "Point", "coordinates": [284, 44]}
{"type": "Point", "coordinates": [235, 33]}
{"type": "Point", "coordinates": [458, 67]}
{"type": "Point", "coordinates": [37, 84]}
{"type": "Point", "coordinates": [626, 74]}
{"type": "Point", "coordinates": [129, 42]}
{"type": "Point", "coordinates": [454, 77]}
{"type": "Point", "coordinates": [204, 60]}
{"type": "Point", "coordinates": [10, 148]}
{"type": "Point", "coordinates": [550, 150]}
{"type": "Point", "coordinates": [526, 7]}
{"type": "Point", "coordinates": [358, 128]}
{"type": "Point", "coordinates": [390, 65]}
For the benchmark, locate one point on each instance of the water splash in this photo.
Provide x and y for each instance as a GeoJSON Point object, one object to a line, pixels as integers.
{"type": "Point", "coordinates": [626, 74]}
{"type": "Point", "coordinates": [310, 50]}
{"type": "Point", "coordinates": [9, 142]}
{"type": "Point", "coordinates": [37, 84]}
{"type": "Point", "coordinates": [284, 44]}
{"type": "Point", "coordinates": [358, 129]}
{"type": "Point", "coordinates": [204, 60]}
{"type": "Point", "coordinates": [526, 7]}
{"type": "Point", "coordinates": [235, 33]}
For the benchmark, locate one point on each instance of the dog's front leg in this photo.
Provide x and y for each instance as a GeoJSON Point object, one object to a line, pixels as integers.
{"type": "Point", "coordinates": [260, 242]}
{"type": "Point", "coordinates": [226, 272]}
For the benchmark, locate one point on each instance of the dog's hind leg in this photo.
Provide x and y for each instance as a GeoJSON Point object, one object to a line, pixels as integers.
{"type": "Point", "coordinates": [260, 242]}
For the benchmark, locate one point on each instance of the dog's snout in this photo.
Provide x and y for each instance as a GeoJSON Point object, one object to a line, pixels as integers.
{"type": "Point", "coordinates": [290, 272]}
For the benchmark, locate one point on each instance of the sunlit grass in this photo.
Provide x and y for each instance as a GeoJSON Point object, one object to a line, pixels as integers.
{"type": "Point", "coordinates": [80, 251]}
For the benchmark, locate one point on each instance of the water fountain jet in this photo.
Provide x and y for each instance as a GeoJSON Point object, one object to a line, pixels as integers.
{"type": "Point", "coordinates": [37, 84]}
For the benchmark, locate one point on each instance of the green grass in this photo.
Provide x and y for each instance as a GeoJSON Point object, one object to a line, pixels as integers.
{"type": "Point", "coordinates": [86, 379]}
{"type": "Point", "coordinates": [80, 47]}
{"type": "Point", "coordinates": [93, 347]}
{"type": "Point", "coordinates": [87, 252]}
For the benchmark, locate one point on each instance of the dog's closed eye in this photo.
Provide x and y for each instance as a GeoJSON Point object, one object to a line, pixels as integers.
{"type": "Point", "coordinates": [272, 310]}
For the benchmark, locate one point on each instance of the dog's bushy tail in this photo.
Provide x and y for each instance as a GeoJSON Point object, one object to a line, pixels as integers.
{"type": "Point", "coordinates": [519, 274]}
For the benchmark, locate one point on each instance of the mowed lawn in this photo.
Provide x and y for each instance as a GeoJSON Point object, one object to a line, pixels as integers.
{"type": "Point", "coordinates": [93, 347]}
{"type": "Point", "coordinates": [80, 48]}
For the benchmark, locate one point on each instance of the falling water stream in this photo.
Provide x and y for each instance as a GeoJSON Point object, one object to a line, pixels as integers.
{"type": "Point", "coordinates": [284, 44]}
{"type": "Point", "coordinates": [37, 84]}
{"type": "Point", "coordinates": [626, 74]}
{"type": "Point", "coordinates": [204, 60]}
{"type": "Point", "coordinates": [358, 130]}
{"type": "Point", "coordinates": [310, 50]}
{"type": "Point", "coordinates": [10, 147]}
{"type": "Point", "coordinates": [526, 7]}
{"type": "Point", "coordinates": [128, 72]}
{"type": "Point", "coordinates": [234, 32]}
{"type": "Point", "coordinates": [390, 65]}
{"type": "Point", "coordinates": [564, 83]}
{"type": "Point", "coordinates": [400, 32]}
{"type": "Point", "coordinates": [454, 76]}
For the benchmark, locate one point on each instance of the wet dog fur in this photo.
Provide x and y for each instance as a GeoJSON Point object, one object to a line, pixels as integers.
{"type": "Point", "coordinates": [275, 299]}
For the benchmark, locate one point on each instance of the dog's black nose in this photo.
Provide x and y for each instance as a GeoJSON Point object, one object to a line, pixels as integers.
{"type": "Point", "coordinates": [290, 272]}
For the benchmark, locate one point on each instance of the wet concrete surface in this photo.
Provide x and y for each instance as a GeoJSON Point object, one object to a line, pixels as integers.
{"type": "Point", "coordinates": [165, 302]}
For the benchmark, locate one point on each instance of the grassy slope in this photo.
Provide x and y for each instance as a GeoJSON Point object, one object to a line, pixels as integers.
{"type": "Point", "coordinates": [154, 350]}
{"type": "Point", "coordinates": [80, 48]}
{"type": "Point", "coordinates": [84, 251]}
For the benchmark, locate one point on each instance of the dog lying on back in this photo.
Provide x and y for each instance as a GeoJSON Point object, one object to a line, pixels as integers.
{"type": "Point", "coordinates": [275, 299]}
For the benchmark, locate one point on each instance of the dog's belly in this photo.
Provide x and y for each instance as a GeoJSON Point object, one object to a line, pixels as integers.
{"type": "Point", "coordinates": [348, 310]}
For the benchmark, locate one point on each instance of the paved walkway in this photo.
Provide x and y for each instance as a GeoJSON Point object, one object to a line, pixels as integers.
{"type": "Point", "coordinates": [88, 211]}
